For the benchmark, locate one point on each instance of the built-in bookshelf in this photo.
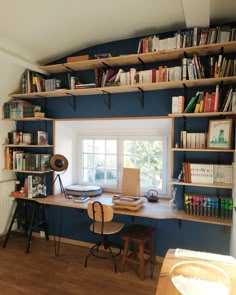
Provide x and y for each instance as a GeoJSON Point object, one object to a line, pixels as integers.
{"type": "Point", "coordinates": [135, 59]}
{"type": "Point", "coordinates": [128, 88]}
{"type": "Point", "coordinates": [181, 181]}
{"type": "Point", "coordinates": [145, 58]}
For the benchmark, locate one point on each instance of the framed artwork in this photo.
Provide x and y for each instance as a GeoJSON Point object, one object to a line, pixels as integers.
{"type": "Point", "coordinates": [219, 134]}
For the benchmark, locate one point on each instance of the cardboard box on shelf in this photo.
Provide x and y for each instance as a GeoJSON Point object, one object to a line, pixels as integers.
{"type": "Point", "coordinates": [77, 58]}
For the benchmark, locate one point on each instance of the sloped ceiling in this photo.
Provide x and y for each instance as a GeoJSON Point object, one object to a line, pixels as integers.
{"type": "Point", "coordinates": [39, 31]}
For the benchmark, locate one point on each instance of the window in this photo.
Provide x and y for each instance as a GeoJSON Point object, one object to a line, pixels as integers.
{"type": "Point", "coordinates": [99, 149]}
{"type": "Point", "coordinates": [103, 159]}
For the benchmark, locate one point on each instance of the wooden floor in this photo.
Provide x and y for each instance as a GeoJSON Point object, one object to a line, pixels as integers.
{"type": "Point", "coordinates": [41, 272]}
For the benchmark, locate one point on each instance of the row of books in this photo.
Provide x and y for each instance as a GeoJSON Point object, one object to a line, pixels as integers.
{"type": "Point", "coordinates": [211, 206]}
{"type": "Point", "coordinates": [207, 173]}
{"type": "Point", "coordinates": [39, 137]}
{"type": "Point", "coordinates": [190, 69]}
{"type": "Point", "coordinates": [32, 81]}
{"type": "Point", "coordinates": [202, 102]}
{"type": "Point", "coordinates": [193, 69]}
{"type": "Point", "coordinates": [16, 159]}
{"type": "Point", "coordinates": [18, 108]}
{"type": "Point", "coordinates": [193, 140]}
{"type": "Point", "coordinates": [187, 38]}
{"type": "Point", "coordinates": [35, 186]}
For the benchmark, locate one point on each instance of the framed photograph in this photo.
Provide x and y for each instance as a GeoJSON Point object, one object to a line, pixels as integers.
{"type": "Point", "coordinates": [219, 134]}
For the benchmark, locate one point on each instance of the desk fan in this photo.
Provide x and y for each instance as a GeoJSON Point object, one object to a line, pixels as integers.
{"type": "Point", "coordinates": [59, 163]}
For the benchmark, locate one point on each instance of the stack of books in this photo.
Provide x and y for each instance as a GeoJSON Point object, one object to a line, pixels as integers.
{"type": "Point", "coordinates": [127, 202]}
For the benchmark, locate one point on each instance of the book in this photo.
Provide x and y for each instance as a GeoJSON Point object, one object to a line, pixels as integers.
{"type": "Point", "coordinates": [189, 108]}
{"type": "Point", "coordinates": [37, 186]}
{"type": "Point", "coordinates": [40, 137]}
{"type": "Point", "coordinates": [81, 199]}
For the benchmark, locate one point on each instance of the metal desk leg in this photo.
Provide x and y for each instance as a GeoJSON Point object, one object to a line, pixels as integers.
{"type": "Point", "coordinates": [31, 227]}
{"type": "Point", "coordinates": [10, 226]}
{"type": "Point", "coordinates": [45, 222]}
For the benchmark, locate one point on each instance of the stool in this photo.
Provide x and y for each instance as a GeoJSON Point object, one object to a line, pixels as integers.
{"type": "Point", "coordinates": [141, 239]}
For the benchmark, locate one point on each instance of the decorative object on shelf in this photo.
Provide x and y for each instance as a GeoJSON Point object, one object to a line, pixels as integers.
{"type": "Point", "coordinates": [59, 163]}
{"type": "Point", "coordinates": [152, 195]}
{"type": "Point", "coordinates": [219, 134]}
{"type": "Point", "coordinates": [173, 199]}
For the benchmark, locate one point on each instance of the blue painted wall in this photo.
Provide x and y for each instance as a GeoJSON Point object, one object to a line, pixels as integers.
{"type": "Point", "coordinates": [169, 233]}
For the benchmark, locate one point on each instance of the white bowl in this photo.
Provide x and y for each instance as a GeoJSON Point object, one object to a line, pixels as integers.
{"type": "Point", "coordinates": [194, 278]}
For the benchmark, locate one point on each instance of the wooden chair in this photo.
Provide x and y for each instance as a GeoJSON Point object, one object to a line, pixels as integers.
{"type": "Point", "coordinates": [103, 225]}
{"type": "Point", "coordinates": [140, 240]}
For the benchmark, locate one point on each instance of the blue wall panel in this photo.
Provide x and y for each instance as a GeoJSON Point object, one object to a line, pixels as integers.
{"type": "Point", "coordinates": [74, 224]}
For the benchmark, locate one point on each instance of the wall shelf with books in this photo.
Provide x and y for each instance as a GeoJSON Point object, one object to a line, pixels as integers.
{"type": "Point", "coordinates": [204, 114]}
{"type": "Point", "coordinates": [29, 145]}
{"type": "Point", "coordinates": [215, 185]}
{"type": "Point", "coordinates": [149, 57]}
{"type": "Point", "coordinates": [27, 119]}
{"type": "Point", "coordinates": [202, 150]}
{"type": "Point", "coordinates": [29, 171]}
{"type": "Point", "coordinates": [129, 88]}
{"type": "Point", "coordinates": [205, 219]}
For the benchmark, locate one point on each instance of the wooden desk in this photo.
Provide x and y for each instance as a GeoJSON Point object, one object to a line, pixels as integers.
{"type": "Point", "coordinates": [160, 210]}
{"type": "Point", "coordinates": [165, 285]}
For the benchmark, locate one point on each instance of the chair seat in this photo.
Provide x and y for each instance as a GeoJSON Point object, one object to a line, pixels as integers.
{"type": "Point", "coordinates": [111, 227]}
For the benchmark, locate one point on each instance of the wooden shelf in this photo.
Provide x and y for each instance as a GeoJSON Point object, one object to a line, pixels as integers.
{"type": "Point", "coordinates": [149, 57]}
{"type": "Point", "coordinates": [27, 119]}
{"type": "Point", "coordinates": [29, 145]}
{"type": "Point", "coordinates": [181, 214]}
{"type": "Point", "coordinates": [201, 150]}
{"type": "Point", "coordinates": [29, 171]}
{"type": "Point", "coordinates": [215, 185]}
{"type": "Point", "coordinates": [131, 88]}
{"type": "Point", "coordinates": [207, 114]}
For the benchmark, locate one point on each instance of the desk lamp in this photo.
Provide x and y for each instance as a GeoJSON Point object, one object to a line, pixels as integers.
{"type": "Point", "coordinates": [59, 163]}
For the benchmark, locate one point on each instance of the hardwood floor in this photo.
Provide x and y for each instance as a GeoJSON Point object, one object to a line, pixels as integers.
{"type": "Point", "coordinates": [41, 272]}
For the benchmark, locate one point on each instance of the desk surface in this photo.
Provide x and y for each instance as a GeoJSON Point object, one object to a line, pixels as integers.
{"type": "Point", "coordinates": [160, 210]}
{"type": "Point", "coordinates": [165, 285]}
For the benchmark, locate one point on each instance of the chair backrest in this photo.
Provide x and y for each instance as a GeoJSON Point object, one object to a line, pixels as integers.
{"type": "Point", "coordinates": [99, 212]}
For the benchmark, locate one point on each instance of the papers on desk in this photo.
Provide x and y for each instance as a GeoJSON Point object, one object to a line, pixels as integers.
{"type": "Point", "coordinates": [204, 255]}
{"type": "Point", "coordinates": [127, 202]}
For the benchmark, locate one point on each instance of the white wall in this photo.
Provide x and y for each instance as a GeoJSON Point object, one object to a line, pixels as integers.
{"type": "Point", "coordinates": [10, 75]}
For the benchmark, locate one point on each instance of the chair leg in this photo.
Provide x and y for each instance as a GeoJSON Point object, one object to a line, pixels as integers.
{"type": "Point", "coordinates": [141, 261]}
{"type": "Point", "coordinates": [125, 254]}
{"type": "Point", "coordinates": [113, 258]}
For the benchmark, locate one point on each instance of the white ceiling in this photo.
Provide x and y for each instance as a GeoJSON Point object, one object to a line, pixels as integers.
{"type": "Point", "coordinates": [40, 31]}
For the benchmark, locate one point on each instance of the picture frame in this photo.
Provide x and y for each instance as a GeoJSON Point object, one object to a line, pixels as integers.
{"type": "Point", "coordinates": [219, 134]}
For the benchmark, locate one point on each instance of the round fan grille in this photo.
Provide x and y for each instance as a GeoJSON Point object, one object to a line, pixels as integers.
{"type": "Point", "coordinates": [58, 163]}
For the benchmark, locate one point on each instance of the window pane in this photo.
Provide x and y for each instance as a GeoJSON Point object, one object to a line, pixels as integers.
{"type": "Point", "coordinates": [88, 175]}
{"type": "Point", "coordinates": [99, 146]}
{"type": "Point", "coordinates": [111, 177]}
{"type": "Point", "coordinates": [88, 160]}
{"type": "Point", "coordinates": [111, 147]}
{"type": "Point", "coordinates": [88, 146]}
{"type": "Point", "coordinates": [111, 162]}
{"type": "Point", "coordinates": [147, 156]}
{"type": "Point", "coordinates": [99, 161]}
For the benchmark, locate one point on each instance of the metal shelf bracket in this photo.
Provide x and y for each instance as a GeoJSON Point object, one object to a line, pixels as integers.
{"type": "Point", "coordinates": [141, 97]}
{"type": "Point", "coordinates": [108, 100]}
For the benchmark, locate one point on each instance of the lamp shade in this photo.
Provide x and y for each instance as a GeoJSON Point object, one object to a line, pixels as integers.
{"type": "Point", "coordinates": [58, 163]}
